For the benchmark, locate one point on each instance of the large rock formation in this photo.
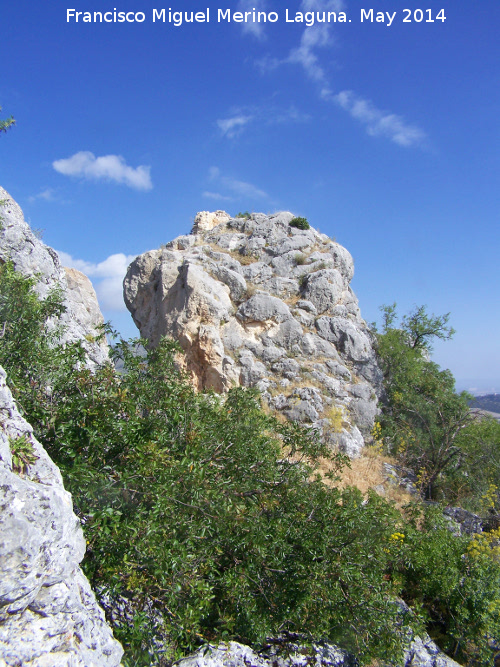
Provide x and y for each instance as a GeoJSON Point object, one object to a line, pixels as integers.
{"type": "Point", "coordinates": [49, 616]}
{"type": "Point", "coordinates": [31, 257]}
{"type": "Point", "coordinates": [255, 301]}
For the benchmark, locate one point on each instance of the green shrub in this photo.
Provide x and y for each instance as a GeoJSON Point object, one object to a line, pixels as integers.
{"type": "Point", "coordinates": [452, 583]}
{"type": "Point", "coordinates": [299, 223]}
{"type": "Point", "coordinates": [30, 349]}
{"type": "Point", "coordinates": [205, 520]}
{"type": "Point", "coordinates": [246, 215]}
{"type": "Point", "coordinates": [23, 454]}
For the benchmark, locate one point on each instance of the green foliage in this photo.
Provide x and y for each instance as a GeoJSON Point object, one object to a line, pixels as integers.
{"type": "Point", "coordinates": [303, 280]}
{"type": "Point", "coordinates": [300, 259]}
{"type": "Point", "coordinates": [213, 524]}
{"type": "Point", "coordinates": [453, 585]}
{"type": "Point", "coordinates": [5, 124]}
{"type": "Point", "coordinates": [417, 330]}
{"type": "Point", "coordinates": [424, 419]}
{"type": "Point", "coordinates": [299, 223]}
{"type": "Point", "coordinates": [205, 519]}
{"type": "Point", "coordinates": [475, 483]}
{"type": "Point", "coordinates": [38, 366]}
{"type": "Point", "coordinates": [246, 215]}
{"type": "Point", "coordinates": [23, 454]}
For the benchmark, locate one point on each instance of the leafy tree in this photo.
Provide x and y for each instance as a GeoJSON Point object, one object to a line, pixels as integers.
{"type": "Point", "coordinates": [476, 483]}
{"type": "Point", "coordinates": [418, 329]}
{"type": "Point", "coordinates": [424, 416]}
{"type": "Point", "coordinates": [5, 124]}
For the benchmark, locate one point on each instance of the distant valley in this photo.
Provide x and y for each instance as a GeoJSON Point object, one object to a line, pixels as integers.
{"type": "Point", "coordinates": [489, 402]}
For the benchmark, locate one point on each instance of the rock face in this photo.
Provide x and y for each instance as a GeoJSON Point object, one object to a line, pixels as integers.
{"type": "Point", "coordinates": [233, 654]}
{"type": "Point", "coordinates": [256, 302]}
{"type": "Point", "coordinates": [32, 257]}
{"type": "Point", "coordinates": [420, 654]}
{"type": "Point", "coordinates": [48, 614]}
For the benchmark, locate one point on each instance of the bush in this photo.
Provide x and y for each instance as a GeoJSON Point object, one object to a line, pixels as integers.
{"type": "Point", "coordinates": [5, 124]}
{"type": "Point", "coordinates": [215, 530]}
{"type": "Point", "coordinates": [30, 349]}
{"type": "Point", "coordinates": [300, 259]}
{"type": "Point", "coordinates": [452, 583]}
{"type": "Point", "coordinates": [299, 223]}
{"type": "Point", "coordinates": [205, 520]}
{"type": "Point", "coordinates": [423, 417]}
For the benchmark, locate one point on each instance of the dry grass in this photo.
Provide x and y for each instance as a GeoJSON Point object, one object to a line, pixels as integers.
{"type": "Point", "coordinates": [243, 259]}
{"type": "Point", "coordinates": [279, 416]}
{"type": "Point", "coordinates": [295, 384]}
{"type": "Point", "coordinates": [292, 300]}
{"type": "Point", "coordinates": [251, 290]}
{"type": "Point", "coordinates": [365, 473]}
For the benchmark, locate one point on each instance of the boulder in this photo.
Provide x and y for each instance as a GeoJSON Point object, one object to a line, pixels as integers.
{"type": "Point", "coordinates": [234, 654]}
{"type": "Point", "coordinates": [420, 653]}
{"type": "Point", "coordinates": [255, 302]}
{"type": "Point", "coordinates": [48, 613]}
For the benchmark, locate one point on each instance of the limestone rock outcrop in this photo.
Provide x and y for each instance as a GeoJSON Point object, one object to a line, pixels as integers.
{"type": "Point", "coordinates": [31, 257]}
{"type": "Point", "coordinates": [234, 654]}
{"type": "Point", "coordinates": [49, 616]}
{"type": "Point", "coordinates": [254, 301]}
{"type": "Point", "coordinates": [420, 653]}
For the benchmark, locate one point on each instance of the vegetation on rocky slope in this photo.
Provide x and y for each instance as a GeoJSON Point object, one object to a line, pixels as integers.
{"type": "Point", "coordinates": [205, 519]}
{"type": "Point", "coordinates": [430, 427]}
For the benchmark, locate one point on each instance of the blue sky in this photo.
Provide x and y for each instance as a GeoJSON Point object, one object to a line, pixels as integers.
{"type": "Point", "coordinates": [384, 137]}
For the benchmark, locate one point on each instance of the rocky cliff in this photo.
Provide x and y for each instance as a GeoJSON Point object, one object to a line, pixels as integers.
{"type": "Point", "coordinates": [32, 257]}
{"type": "Point", "coordinates": [48, 614]}
{"type": "Point", "coordinates": [254, 301]}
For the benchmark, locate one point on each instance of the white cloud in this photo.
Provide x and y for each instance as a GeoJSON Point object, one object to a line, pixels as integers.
{"type": "Point", "coordinates": [316, 36]}
{"type": "Point", "coordinates": [47, 195]}
{"type": "Point", "coordinates": [216, 195]}
{"type": "Point", "coordinates": [378, 123]}
{"type": "Point", "coordinates": [231, 127]}
{"type": "Point", "coordinates": [108, 277]}
{"type": "Point", "coordinates": [236, 188]}
{"type": "Point", "coordinates": [107, 167]}
{"type": "Point", "coordinates": [254, 28]}
{"type": "Point", "coordinates": [243, 117]}
{"type": "Point", "coordinates": [268, 64]}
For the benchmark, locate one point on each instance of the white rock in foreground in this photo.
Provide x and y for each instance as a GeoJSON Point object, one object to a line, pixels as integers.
{"type": "Point", "coordinates": [49, 616]}
{"type": "Point", "coordinates": [232, 654]}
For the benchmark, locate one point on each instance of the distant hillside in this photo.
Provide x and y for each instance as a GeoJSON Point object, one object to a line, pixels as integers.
{"type": "Point", "coordinates": [490, 402]}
